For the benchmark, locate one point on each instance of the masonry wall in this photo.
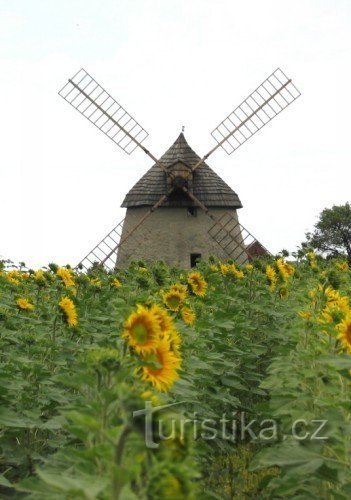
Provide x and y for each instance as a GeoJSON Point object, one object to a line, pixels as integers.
{"type": "Point", "coordinates": [171, 235]}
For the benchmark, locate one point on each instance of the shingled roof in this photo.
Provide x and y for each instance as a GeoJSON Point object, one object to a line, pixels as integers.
{"type": "Point", "coordinates": [208, 187]}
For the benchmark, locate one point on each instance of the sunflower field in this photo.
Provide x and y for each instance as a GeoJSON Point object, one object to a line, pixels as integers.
{"type": "Point", "coordinates": [222, 382]}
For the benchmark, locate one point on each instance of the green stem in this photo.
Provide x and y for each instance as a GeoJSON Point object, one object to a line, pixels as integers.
{"type": "Point", "coordinates": [117, 483]}
{"type": "Point", "coordinates": [54, 330]}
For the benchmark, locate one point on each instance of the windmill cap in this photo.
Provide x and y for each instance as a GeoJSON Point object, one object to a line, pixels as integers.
{"type": "Point", "coordinates": [208, 187]}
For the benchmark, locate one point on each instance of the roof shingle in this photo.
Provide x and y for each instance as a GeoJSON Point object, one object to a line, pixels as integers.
{"type": "Point", "coordinates": [208, 187]}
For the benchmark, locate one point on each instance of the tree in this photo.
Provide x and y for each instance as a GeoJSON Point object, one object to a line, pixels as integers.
{"type": "Point", "coordinates": [332, 234]}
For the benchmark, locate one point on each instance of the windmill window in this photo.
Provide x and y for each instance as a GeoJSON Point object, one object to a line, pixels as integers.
{"type": "Point", "coordinates": [194, 258]}
{"type": "Point", "coordinates": [192, 211]}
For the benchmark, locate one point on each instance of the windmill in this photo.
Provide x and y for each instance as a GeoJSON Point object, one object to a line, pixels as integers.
{"type": "Point", "coordinates": [180, 186]}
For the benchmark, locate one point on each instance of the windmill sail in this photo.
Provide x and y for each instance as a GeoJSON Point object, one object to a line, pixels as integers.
{"type": "Point", "coordinates": [105, 252]}
{"type": "Point", "coordinates": [97, 105]}
{"type": "Point", "coordinates": [236, 241]}
{"type": "Point", "coordinates": [260, 107]}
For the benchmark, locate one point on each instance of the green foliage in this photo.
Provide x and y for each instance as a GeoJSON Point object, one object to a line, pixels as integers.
{"type": "Point", "coordinates": [332, 234]}
{"type": "Point", "coordinates": [67, 394]}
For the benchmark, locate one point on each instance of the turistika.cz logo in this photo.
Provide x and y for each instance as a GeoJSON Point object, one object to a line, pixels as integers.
{"type": "Point", "coordinates": [234, 427]}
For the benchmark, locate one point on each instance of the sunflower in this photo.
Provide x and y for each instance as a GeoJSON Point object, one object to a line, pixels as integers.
{"type": "Point", "coordinates": [325, 318]}
{"type": "Point", "coordinates": [197, 284]}
{"type": "Point", "coordinates": [164, 319]}
{"type": "Point", "coordinates": [165, 373]}
{"type": "Point", "coordinates": [334, 299]}
{"type": "Point", "coordinates": [272, 277]}
{"type": "Point", "coordinates": [311, 256]}
{"type": "Point", "coordinates": [179, 288]}
{"type": "Point", "coordinates": [174, 341]}
{"type": "Point", "coordinates": [39, 275]}
{"type": "Point", "coordinates": [224, 269]}
{"type": "Point", "coordinates": [283, 292]}
{"type": "Point", "coordinates": [149, 396]}
{"type": "Point", "coordinates": [25, 304]}
{"type": "Point", "coordinates": [343, 266]}
{"type": "Point", "coordinates": [14, 277]}
{"type": "Point", "coordinates": [173, 299]}
{"type": "Point", "coordinates": [116, 283]}
{"type": "Point", "coordinates": [345, 333]}
{"type": "Point", "coordinates": [333, 311]}
{"type": "Point", "coordinates": [314, 292]}
{"type": "Point", "coordinates": [66, 276]}
{"type": "Point", "coordinates": [142, 330]}
{"type": "Point", "coordinates": [95, 282]}
{"type": "Point", "coordinates": [188, 315]}
{"type": "Point", "coordinates": [69, 310]}
{"type": "Point", "coordinates": [285, 269]}
{"type": "Point", "coordinates": [313, 264]}
{"type": "Point", "coordinates": [305, 315]}
{"type": "Point", "coordinates": [168, 480]}
{"type": "Point", "coordinates": [234, 271]}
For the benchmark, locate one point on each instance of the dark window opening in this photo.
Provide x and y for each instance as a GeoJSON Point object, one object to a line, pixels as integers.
{"type": "Point", "coordinates": [192, 211]}
{"type": "Point", "coordinates": [194, 259]}
{"type": "Point", "coordinates": [178, 198]}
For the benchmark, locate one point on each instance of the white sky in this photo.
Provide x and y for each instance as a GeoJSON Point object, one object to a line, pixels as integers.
{"type": "Point", "coordinates": [170, 63]}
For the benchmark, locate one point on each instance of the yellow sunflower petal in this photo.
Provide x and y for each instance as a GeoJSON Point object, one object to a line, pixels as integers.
{"type": "Point", "coordinates": [24, 304]}
{"type": "Point", "coordinates": [69, 309]}
{"type": "Point", "coordinates": [163, 376]}
{"type": "Point", "coordinates": [142, 330]}
{"type": "Point", "coordinates": [197, 284]}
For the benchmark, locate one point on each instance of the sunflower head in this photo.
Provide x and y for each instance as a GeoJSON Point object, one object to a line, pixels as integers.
{"type": "Point", "coordinates": [23, 303]}
{"type": "Point", "coordinates": [173, 299]}
{"type": "Point", "coordinates": [311, 256]}
{"type": "Point", "coordinates": [150, 396]}
{"type": "Point", "coordinates": [165, 320]}
{"type": "Point", "coordinates": [96, 282]}
{"type": "Point", "coordinates": [69, 310]}
{"type": "Point", "coordinates": [116, 283]}
{"type": "Point", "coordinates": [175, 342]}
{"type": "Point", "coordinates": [345, 333]}
{"type": "Point", "coordinates": [66, 276]}
{"type": "Point", "coordinates": [197, 284]}
{"type": "Point", "coordinates": [336, 313]}
{"type": "Point", "coordinates": [104, 357]}
{"type": "Point", "coordinates": [305, 315]}
{"type": "Point", "coordinates": [285, 269]}
{"type": "Point", "coordinates": [234, 271]}
{"type": "Point", "coordinates": [314, 265]}
{"type": "Point", "coordinates": [170, 480]}
{"type": "Point", "coordinates": [343, 266]}
{"type": "Point", "coordinates": [142, 330]}
{"type": "Point", "coordinates": [188, 315]}
{"type": "Point", "coordinates": [271, 276]}
{"type": "Point", "coordinates": [14, 277]}
{"type": "Point", "coordinates": [283, 292]}
{"type": "Point", "coordinates": [224, 269]}
{"type": "Point", "coordinates": [161, 366]}
{"type": "Point", "coordinates": [181, 289]}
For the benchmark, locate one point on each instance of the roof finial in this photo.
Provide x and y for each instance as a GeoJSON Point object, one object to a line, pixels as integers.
{"type": "Point", "coordinates": [183, 128]}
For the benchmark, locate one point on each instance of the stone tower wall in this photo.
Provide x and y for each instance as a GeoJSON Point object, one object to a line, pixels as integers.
{"type": "Point", "coordinates": [171, 234]}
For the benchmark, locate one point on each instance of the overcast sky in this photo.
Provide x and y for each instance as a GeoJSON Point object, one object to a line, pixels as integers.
{"type": "Point", "coordinates": [170, 63]}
